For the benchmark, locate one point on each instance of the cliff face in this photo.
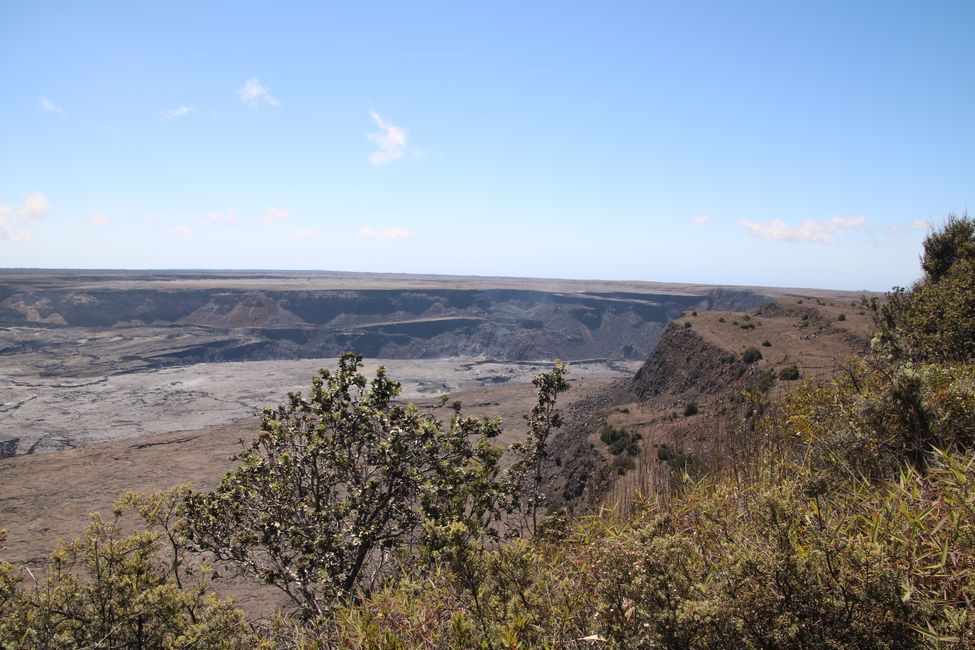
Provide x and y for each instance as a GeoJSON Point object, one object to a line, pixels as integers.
{"type": "Point", "coordinates": [191, 324]}
{"type": "Point", "coordinates": [683, 361]}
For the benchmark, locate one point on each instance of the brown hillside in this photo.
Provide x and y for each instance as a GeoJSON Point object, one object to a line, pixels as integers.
{"type": "Point", "coordinates": [701, 364]}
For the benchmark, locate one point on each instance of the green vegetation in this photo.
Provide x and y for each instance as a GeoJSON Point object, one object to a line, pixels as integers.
{"type": "Point", "coordinates": [846, 520]}
{"type": "Point", "coordinates": [762, 382]}
{"type": "Point", "coordinates": [751, 355]}
{"type": "Point", "coordinates": [620, 440]}
{"type": "Point", "coordinates": [690, 409]}
{"type": "Point", "coordinates": [789, 373]}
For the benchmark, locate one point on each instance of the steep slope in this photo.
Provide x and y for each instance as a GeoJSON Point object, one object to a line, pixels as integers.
{"type": "Point", "coordinates": [701, 388]}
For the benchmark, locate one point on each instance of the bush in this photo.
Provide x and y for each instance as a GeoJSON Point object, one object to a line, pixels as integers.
{"type": "Point", "coordinates": [841, 317]}
{"type": "Point", "coordinates": [789, 373]}
{"type": "Point", "coordinates": [112, 590]}
{"type": "Point", "coordinates": [952, 243]}
{"type": "Point", "coordinates": [690, 409]}
{"type": "Point", "coordinates": [766, 343]}
{"type": "Point", "coordinates": [751, 355]}
{"type": "Point", "coordinates": [340, 485]}
{"type": "Point", "coordinates": [620, 440]}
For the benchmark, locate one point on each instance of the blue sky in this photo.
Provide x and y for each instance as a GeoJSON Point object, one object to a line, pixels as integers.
{"type": "Point", "coordinates": [772, 143]}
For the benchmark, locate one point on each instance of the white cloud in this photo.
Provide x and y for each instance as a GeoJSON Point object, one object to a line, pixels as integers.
{"type": "Point", "coordinates": [919, 224]}
{"type": "Point", "coordinates": [99, 221]}
{"type": "Point", "coordinates": [48, 106]}
{"type": "Point", "coordinates": [217, 218]}
{"type": "Point", "coordinates": [14, 225]}
{"type": "Point", "coordinates": [391, 141]}
{"type": "Point", "coordinates": [307, 234]}
{"type": "Point", "coordinates": [272, 215]}
{"type": "Point", "coordinates": [700, 219]}
{"type": "Point", "coordinates": [823, 232]}
{"type": "Point", "coordinates": [385, 233]}
{"type": "Point", "coordinates": [253, 94]}
{"type": "Point", "coordinates": [175, 113]}
{"type": "Point", "coordinates": [35, 206]}
{"type": "Point", "coordinates": [179, 231]}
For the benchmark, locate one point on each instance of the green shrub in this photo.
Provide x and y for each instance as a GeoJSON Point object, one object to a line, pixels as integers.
{"type": "Point", "coordinates": [619, 440]}
{"type": "Point", "coordinates": [766, 343]}
{"type": "Point", "coordinates": [789, 373]}
{"type": "Point", "coordinates": [751, 355]}
{"type": "Point", "coordinates": [690, 409]}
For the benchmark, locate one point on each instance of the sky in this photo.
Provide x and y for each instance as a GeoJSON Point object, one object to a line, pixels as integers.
{"type": "Point", "coordinates": [799, 144]}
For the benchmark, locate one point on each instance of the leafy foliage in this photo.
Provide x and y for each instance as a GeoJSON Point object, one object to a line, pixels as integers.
{"type": "Point", "coordinates": [111, 590]}
{"type": "Point", "coordinates": [342, 486]}
{"type": "Point", "coordinates": [953, 243]}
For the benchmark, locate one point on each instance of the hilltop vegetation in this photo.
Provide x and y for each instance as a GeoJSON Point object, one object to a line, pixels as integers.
{"type": "Point", "coordinates": [850, 524]}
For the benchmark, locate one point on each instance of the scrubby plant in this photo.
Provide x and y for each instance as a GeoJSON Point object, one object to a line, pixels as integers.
{"type": "Point", "coordinates": [952, 243]}
{"type": "Point", "coordinates": [340, 488]}
{"type": "Point", "coordinates": [751, 355]}
{"type": "Point", "coordinates": [690, 409]}
{"type": "Point", "coordinates": [789, 373]}
{"type": "Point", "coordinates": [115, 590]}
{"type": "Point", "coordinates": [619, 440]}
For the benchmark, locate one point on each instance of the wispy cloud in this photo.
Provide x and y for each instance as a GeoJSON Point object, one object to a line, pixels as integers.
{"type": "Point", "coordinates": [385, 233]}
{"type": "Point", "coordinates": [98, 221]}
{"type": "Point", "coordinates": [179, 231]}
{"type": "Point", "coordinates": [217, 218]}
{"type": "Point", "coordinates": [10, 226]}
{"type": "Point", "coordinates": [176, 113]}
{"type": "Point", "coordinates": [14, 226]}
{"type": "Point", "coordinates": [273, 215]}
{"type": "Point", "coordinates": [823, 232]}
{"type": "Point", "coordinates": [390, 139]}
{"type": "Point", "coordinates": [700, 219]}
{"type": "Point", "coordinates": [254, 94]}
{"type": "Point", "coordinates": [919, 224]}
{"type": "Point", "coordinates": [48, 106]}
{"type": "Point", "coordinates": [307, 234]}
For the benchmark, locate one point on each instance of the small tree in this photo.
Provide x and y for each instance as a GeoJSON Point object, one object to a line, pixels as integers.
{"type": "Point", "coordinates": [341, 487]}
{"type": "Point", "coordinates": [526, 473]}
